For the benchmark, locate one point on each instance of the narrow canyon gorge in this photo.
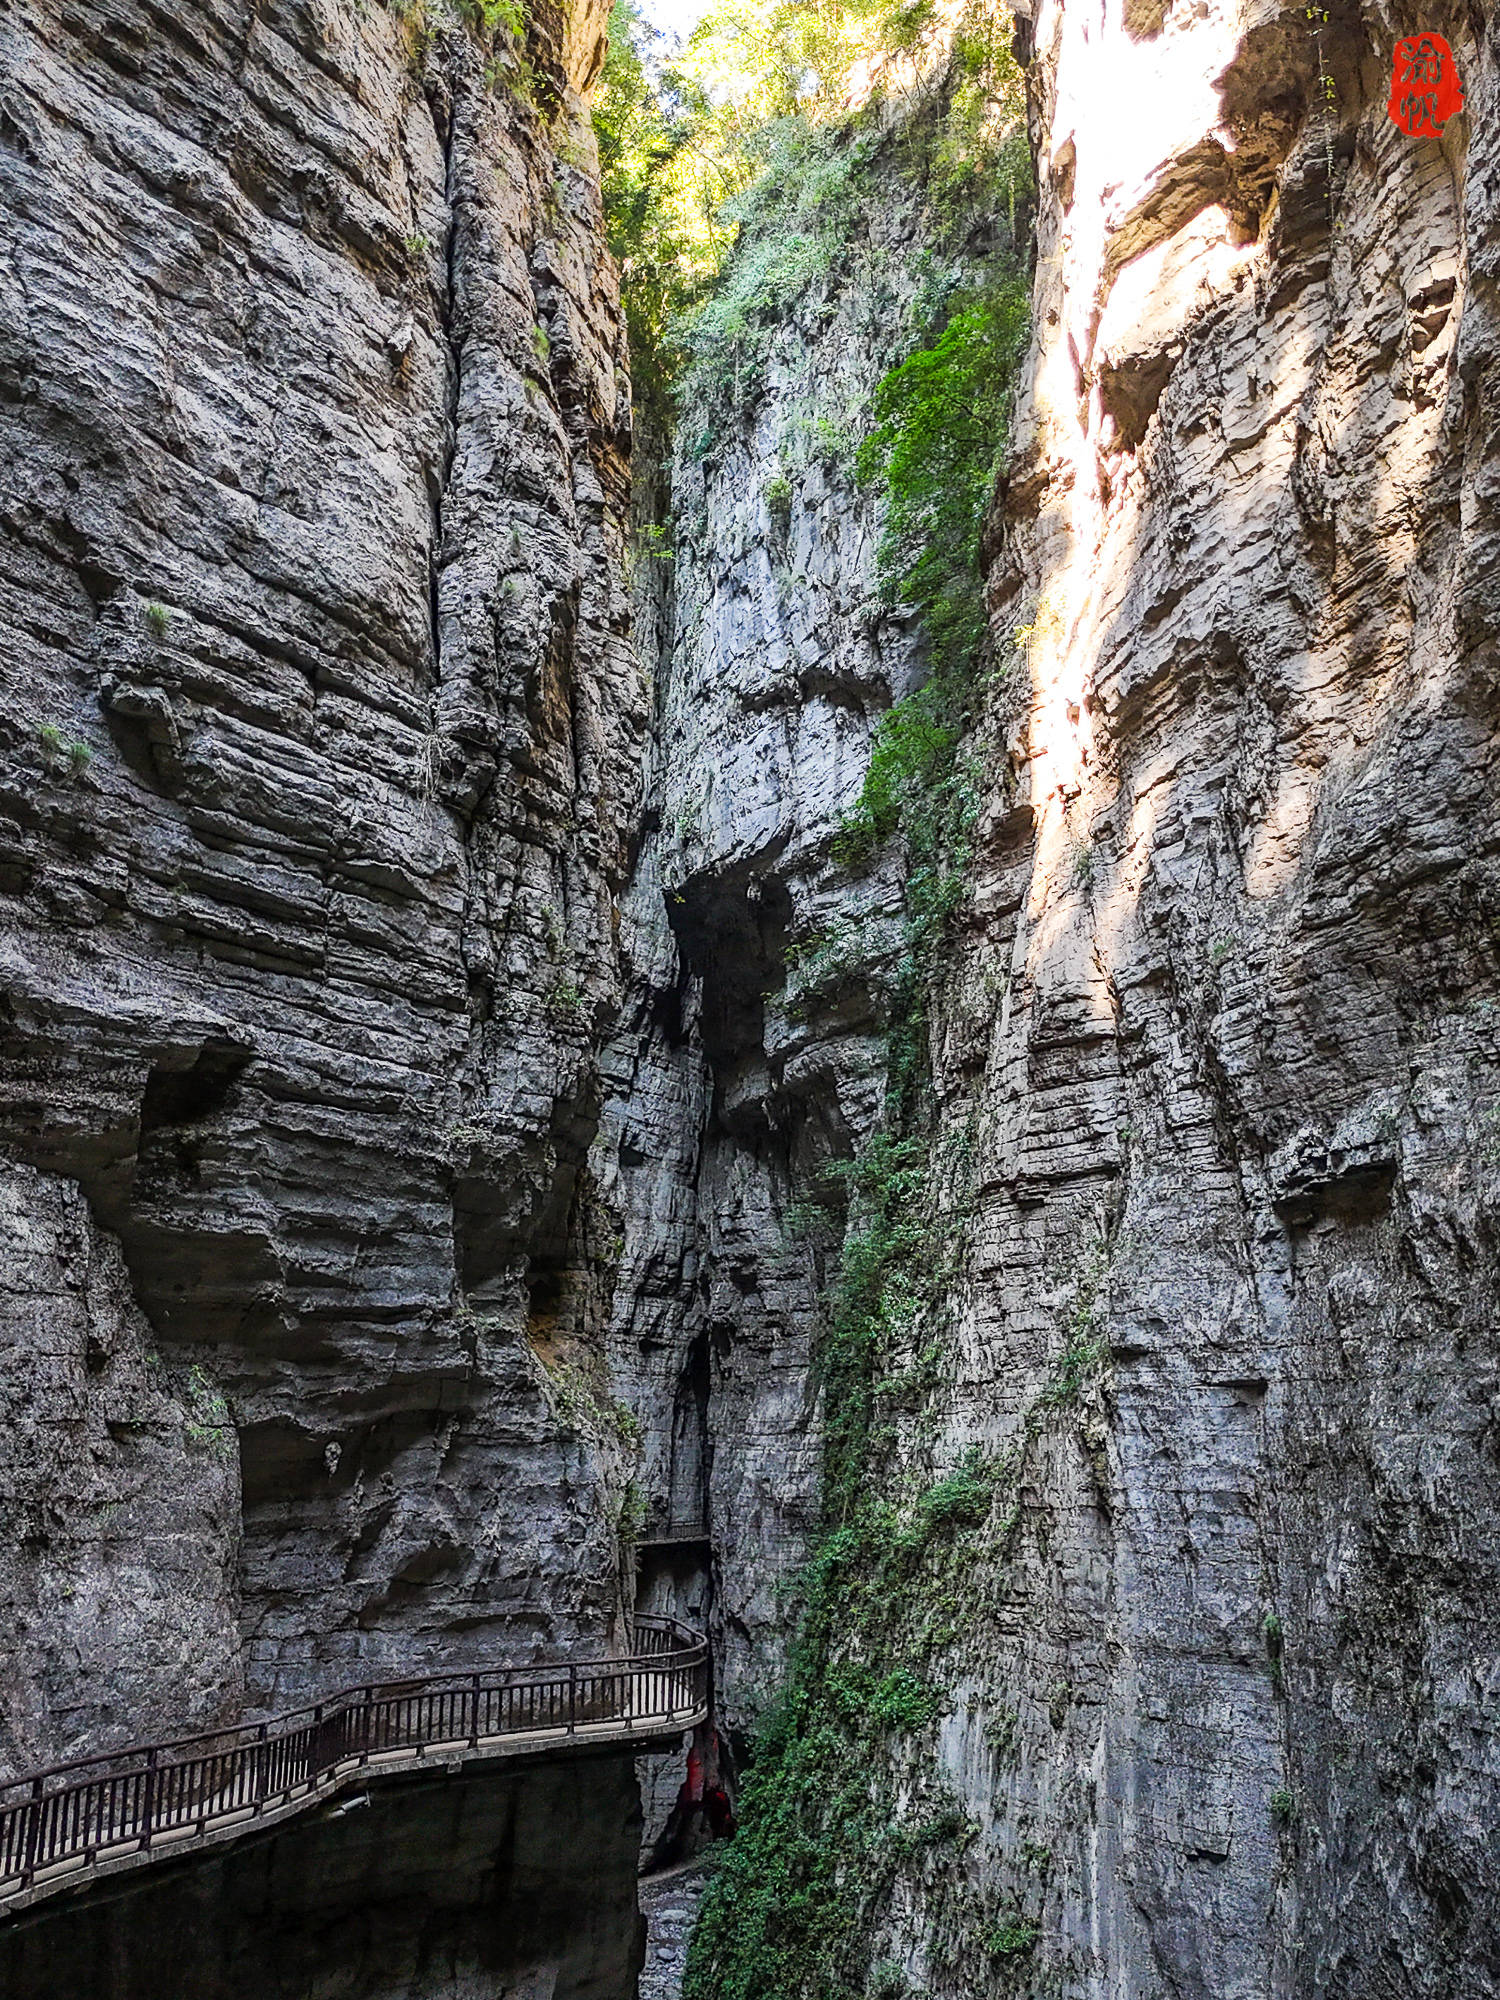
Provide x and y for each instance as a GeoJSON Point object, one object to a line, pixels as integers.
{"type": "Point", "coordinates": [818, 965]}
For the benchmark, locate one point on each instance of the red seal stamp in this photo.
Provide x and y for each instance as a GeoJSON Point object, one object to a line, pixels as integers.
{"type": "Point", "coordinates": [1425, 90]}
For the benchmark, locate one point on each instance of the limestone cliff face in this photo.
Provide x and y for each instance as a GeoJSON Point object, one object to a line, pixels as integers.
{"type": "Point", "coordinates": [119, 1512]}
{"type": "Point", "coordinates": [379, 1060]}
{"type": "Point", "coordinates": [1225, 1013]}
{"type": "Point", "coordinates": [753, 1050]}
{"type": "Point", "coordinates": [320, 744]}
{"type": "Point", "coordinates": [1214, 1044]}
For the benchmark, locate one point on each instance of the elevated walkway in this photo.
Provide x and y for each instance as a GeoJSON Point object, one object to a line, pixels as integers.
{"type": "Point", "coordinates": [102, 1815]}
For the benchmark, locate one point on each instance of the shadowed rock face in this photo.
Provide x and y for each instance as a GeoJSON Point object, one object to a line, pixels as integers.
{"type": "Point", "coordinates": [120, 1504]}
{"type": "Point", "coordinates": [320, 741]}
{"type": "Point", "coordinates": [752, 1052]}
{"type": "Point", "coordinates": [512, 1887]}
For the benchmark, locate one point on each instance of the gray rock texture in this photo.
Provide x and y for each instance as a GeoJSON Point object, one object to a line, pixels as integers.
{"type": "Point", "coordinates": [321, 738]}
{"type": "Point", "coordinates": [1214, 1046]}
{"type": "Point", "coordinates": [752, 1050]}
{"type": "Point", "coordinates": [391, 1089]}
{"type": "Point", "coordinates": [669, 1905]}
{"type": "Point", "coordinates": [1224, 1012]}
{"type": "Point", "coordinates": [119, 1499]}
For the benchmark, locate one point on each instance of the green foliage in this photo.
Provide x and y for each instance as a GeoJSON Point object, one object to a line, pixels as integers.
{"type": "Point", "coordinates": [824, 1837]}
{"type": "Point", "coordinates": [1080, 1361]}
{"type": "Point", "coordinates": [940, 430]}
{"type": "Point", "coordinates": [661, 187]}
{"type": "Point", "coordinates": [901, 1700]}
{"type": "Point", "coordinates": [632, 1513]}
{"type": "Point", "coordinates": [888, 1981]}
{"type": "Point", "coordinates": [501, 26]}
{"type": "Point", "coordinates": [412, 14]}
{"type": "Point", "coordinates": [157, 620]}
{"type": "Point", "coordinates": [495, 16]}
{"type": "Point", "coordinates": [1085, 1347]}
{"type": "Point", "coordinates": [60, 752]}
{"type": "Point", "coordinates": [794, 222]}
{"type": "Point", "coordinates": [566, 999]}
{"type": "Point", "coordinates": [731, 169]}
{"type": "Point", "coordinates": [1010, 1938]}
{"type": "Point", "coordinates": [210, 1423]}
{"type": "Point", "coordinates": [1283, 1807]}
{"type": "Point", "coordinates": [941, 422]}
{"type": "Point", "coordinates": [507, 17]}
{"type": "Point", "coordinates": [820, 964]}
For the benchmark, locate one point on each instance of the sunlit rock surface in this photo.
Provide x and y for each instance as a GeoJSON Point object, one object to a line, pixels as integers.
{"type": "Point", "coordinates": [1216, 1048]}
{"type": "Point", "coordinates": [1224, 1011]}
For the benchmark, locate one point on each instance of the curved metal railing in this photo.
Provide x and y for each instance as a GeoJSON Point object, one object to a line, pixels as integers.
{"type": "Point", "coordinates": [129, 1803]}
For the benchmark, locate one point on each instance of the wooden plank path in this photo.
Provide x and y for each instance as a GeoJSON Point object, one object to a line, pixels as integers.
{"type": "Point", "coordinates": [120, 1809]}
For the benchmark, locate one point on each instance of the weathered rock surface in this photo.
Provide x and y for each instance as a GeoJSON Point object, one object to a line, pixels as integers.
{"type": "Point", "coordinates": [320, 756]}
{"type": "Point", "coordinates": [119, 1499]}
{"type": "Point", "coordinates": [322, 895]}
{"type": "Point", "coordinates": [752, 1052]}
{"type": "Point", "coordinates": [1216, 1052]}
{"type": "Point", "coordinates": [669, 1906]}
{"type": "Point", "coordinates": [1223, 1016]}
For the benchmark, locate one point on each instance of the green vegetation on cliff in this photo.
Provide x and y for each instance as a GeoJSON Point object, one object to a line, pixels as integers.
{"type": "Point", "coordinates": [732, 167]}
{"type": "Point", "coordinates": [843, 1802]}
{"type": "Point", "coordinates": [826, 1832]}
{"type": "Point", "coordinates": [743, 180]}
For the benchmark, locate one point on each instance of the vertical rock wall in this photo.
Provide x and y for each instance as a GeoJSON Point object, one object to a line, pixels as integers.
{"type": "Point", "coordinates": [119, 1501]}
{"type": "Point", "coordinates": [1226, 1001]}
{"type": "Point", "coordinates": [320, 752]}
{"type": "Point", "coordinates": [753, 1052]}
{"type": "Point", "coordinates": [1213, 1046]}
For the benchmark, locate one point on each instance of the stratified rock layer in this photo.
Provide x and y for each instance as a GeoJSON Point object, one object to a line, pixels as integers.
{"type": "Point", "coordinates": [320, 746]}
{"type": "Point", "coordinates": [1224, 1010]}
{"type": "Point", "coordinates": [119, 1499]}
{"type": "Point", "coordinates": [753, 1052]}
{"type": "Point", "coordinates": [1214, 1049]}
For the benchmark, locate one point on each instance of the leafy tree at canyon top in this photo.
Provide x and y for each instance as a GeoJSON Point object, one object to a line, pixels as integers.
{"type": "Point", "coordinates": [727, 163]}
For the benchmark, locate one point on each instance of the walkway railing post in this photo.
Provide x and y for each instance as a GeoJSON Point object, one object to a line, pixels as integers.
{"type": "Point", "coordinates": [474, 1717]}
{"type": "Point", "coordinates": [33, 1827]}
{"type": "Point", "coordinates": [572, 1699]}
{"type": "Point", "coordinates": [148, 1802]}
{"type": "Point", "coordinates": [262, 1759]}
